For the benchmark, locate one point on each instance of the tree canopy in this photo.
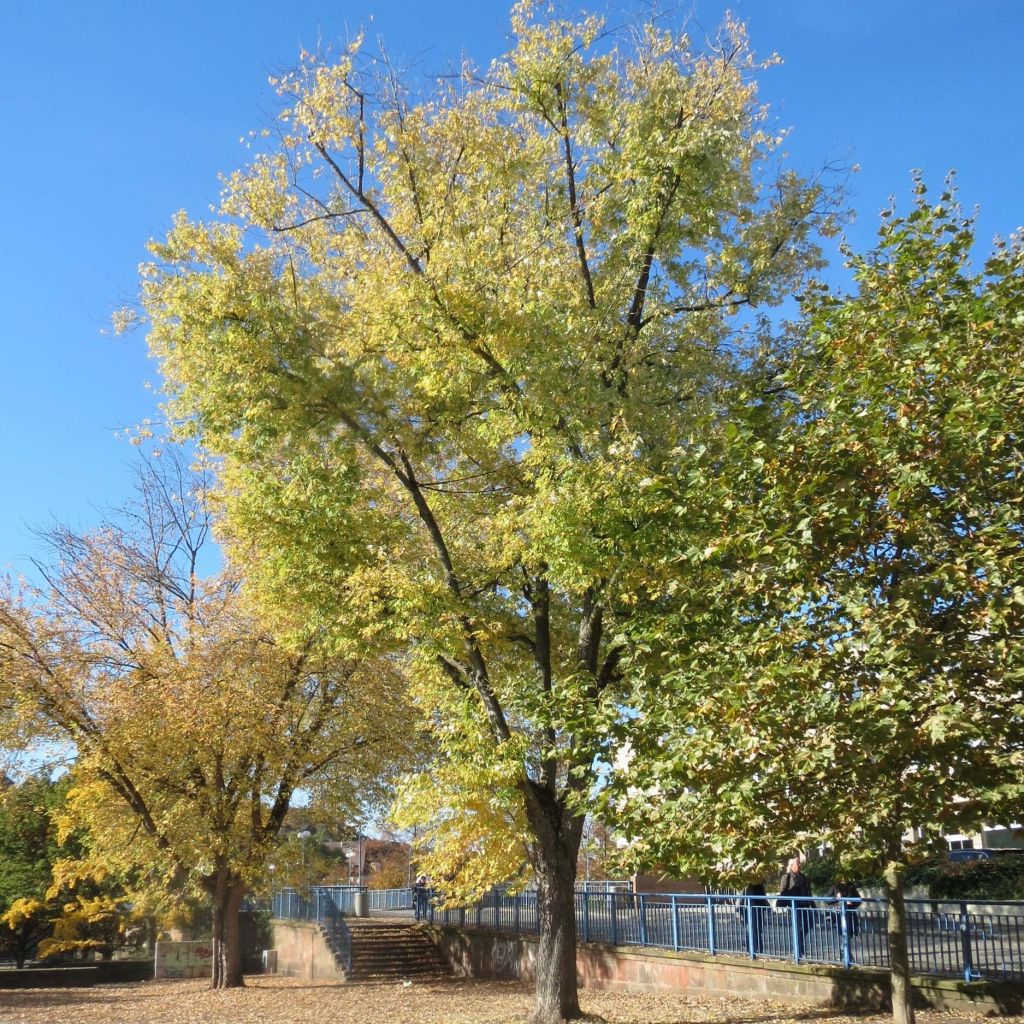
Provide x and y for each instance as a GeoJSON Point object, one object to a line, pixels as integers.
{"type": "Point", "coordinates": [28, 850]}
{"type": "Point", "coordinates": [185, 708]}
{"type": "Point", "coordinates": [841, 662]}
{"type": "Point", "coordinates": [440, 339]}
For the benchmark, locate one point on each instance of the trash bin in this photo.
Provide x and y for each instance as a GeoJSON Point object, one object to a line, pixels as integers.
{"type": "Point", "coordinates": [361, 904]}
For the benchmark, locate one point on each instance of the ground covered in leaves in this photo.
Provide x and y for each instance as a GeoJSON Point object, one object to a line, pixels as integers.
{"type": "Point", "coordinates": [291, 1001]}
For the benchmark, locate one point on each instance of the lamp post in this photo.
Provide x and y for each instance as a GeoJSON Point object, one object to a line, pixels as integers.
{"type": "Point", "coordinates": [303, 836]}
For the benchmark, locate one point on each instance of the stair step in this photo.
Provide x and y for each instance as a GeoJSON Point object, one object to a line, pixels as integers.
{"type": "Point", "coordinates": [386, 948]}
{"type": "Point", "coordinates": [387, 958]}
{"type": "Point", "coordinates": [373, 968]}
{"type": "Point", "coordinates": [403, 962]}
{"type": "Point", "coordinates": [358, 975]}
{"type": "Point", "coordinates": [390, 952]}
{"type": "Point", "coordinates": [397, 976]}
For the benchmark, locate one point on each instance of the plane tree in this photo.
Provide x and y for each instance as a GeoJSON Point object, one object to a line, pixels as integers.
{"type": "Point", "coordinates": [840, 645]}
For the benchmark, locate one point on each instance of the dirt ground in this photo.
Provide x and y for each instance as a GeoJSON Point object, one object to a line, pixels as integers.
{"type": "Point", "coordinates": [289, 1001]}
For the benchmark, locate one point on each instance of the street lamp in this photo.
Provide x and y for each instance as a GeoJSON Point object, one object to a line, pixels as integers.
{"type": "Point", "coordinates": [303, 836]}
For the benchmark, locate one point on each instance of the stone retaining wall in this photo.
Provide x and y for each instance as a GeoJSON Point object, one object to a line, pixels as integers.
{"type": "Point", "coordinates": [115, 972]}
{"type": "Point", "coordinates": [302, 951]}
{"type": "Point", "coordinates": [485, 954]}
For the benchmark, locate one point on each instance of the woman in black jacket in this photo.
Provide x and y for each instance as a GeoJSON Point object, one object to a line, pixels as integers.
{"type": "Point", "coordinates": [755, 913]}
{"type": "Point", "coordinates": [795, 886]}
{"type": "Point", "coordinates": [847, 892]}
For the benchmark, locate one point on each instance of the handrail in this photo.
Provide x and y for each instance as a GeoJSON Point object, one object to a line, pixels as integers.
{"type": "Point", "coordinates": [967, 939]}
{"type": "Point", "coordinates": [843, 932]}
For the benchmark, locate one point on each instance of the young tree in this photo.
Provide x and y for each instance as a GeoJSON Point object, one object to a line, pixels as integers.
{"type": "Point", "coordinates": [46, 907]}
{"type": "Point", "coordinates": [185, 708]}
{"type": "Point", "coordinates": [842, 662]}
{"type": "Point", "coordinates": [28, 850]}
{"type": "Point", "coordinates": [462, 330]}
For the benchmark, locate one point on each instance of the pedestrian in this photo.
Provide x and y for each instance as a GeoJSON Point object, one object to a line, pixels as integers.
{"type": "Point", "coordinates": [755, 913]}
{"type": "Point", "coordinates": [797, 889]}
{"type": "Point", "coordinates": [847, 892]}
{"type": "Point", "coordinates": [421, 897]}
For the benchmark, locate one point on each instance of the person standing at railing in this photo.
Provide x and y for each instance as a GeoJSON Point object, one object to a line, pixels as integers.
{"type": "Point", "coordinates": [847, 892]}
{"type": "Point", "coordinates": [794, 885]}
{"type": "Point", "coordinates": [421, 897]}
{"type": "Point", "coordinates": [755, 913]}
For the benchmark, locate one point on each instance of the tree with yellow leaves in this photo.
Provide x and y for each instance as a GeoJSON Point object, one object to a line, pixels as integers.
{"type": "Point", "coordinates": [457, 331]}
{"type": "Point", "coordinates": [49, 905]}
{"type": "Point", "coordinates": [28, 850]}
{"type": "Point", "coordinates": [194, 721]}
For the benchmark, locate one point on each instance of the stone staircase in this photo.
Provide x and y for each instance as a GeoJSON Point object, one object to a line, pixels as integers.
{"type": "Point", "coordinates": [384, 950]}
{"type": "Point", "coordinates": [336, 945]}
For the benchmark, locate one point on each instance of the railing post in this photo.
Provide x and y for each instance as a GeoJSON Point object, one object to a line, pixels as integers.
{"type": "Point", "coordinates": [712, 943]}
{"type": "Point", "coordinates": [675, 924]}
{"type": "Point", "coordinates": [586, 915]}
{"type": "Point", "coordinates": [479, 912]}
{"type": "Point", "coordinates": [965, 942]}
{"type": "Point", "coordinates": [615, 923]}
{"type": "Point", "coordinates": [751, 947]}
{"type": "Point", "coordinates": [515, 914]}
{"type": "Point", "coordinates": [643, 920]}
{"type": "Point", "coordinates": [844, 932]}
{"type": "Point", "coordinates": [794, 928]}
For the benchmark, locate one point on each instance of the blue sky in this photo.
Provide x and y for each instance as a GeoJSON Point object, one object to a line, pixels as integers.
{"type": "Point", "coordinates": [116, 114]}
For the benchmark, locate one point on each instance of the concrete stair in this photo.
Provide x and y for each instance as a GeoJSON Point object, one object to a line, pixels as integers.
{"type": "Point", "coordinates": [334, 944]}
{"type": "Point", "coordinates": [385, 950]}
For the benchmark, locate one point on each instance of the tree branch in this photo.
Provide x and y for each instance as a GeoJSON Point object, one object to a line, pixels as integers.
{"type": "Point", "coordinates": [574, 206]}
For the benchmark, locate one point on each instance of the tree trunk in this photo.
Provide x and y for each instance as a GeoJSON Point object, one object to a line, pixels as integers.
{"type": "Point", "coordinates": [23, 943]}
{"type": "Point", "coordinates": [555, 850]}
{"type": "Point", "coordinates": [233, 936]}
{"type": "Point", "coordinates": [899, 959]}
{"type": "Point", "coordinates": [217, 939]}
{"type": "Point", "coordinates": [227, 891]}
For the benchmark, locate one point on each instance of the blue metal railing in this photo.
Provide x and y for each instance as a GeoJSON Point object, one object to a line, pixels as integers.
{"type": "Point", "coordinates": [390, 899]}
{"type": "Point", "coordinates": [343, 896]}
{"type": "Point", "coordinates": [289, 903]}
{"type": "Point", "coordinates": [980, 940]}
{"type": "Point", "coordinates": [948, 939]}
{"type": "Point", "coordinates": [325, 906]}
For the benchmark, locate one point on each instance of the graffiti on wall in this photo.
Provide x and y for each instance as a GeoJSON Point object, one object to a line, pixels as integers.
{"type": "Point", "coordinates": [184, 960]}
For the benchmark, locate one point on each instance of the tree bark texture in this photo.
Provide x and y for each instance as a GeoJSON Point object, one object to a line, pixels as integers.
{"type": "Point", "coordinates": [227, 891]}
{"type": "Point", "coordinates": [555, 850]}
{"type": "Point", "coordinates": [899, 958]}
